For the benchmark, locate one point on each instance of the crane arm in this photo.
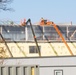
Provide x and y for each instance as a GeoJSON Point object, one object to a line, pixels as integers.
{"type": "Point", "coordinates": [45, 22]}
{"type": "Point", "coordinates": [38, 49]}
{"type": "Point", "coordinates": [58, 31]}
{"type": "Point", "coordinates": [6, 45]}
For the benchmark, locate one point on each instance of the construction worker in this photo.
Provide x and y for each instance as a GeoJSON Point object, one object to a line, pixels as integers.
{"type": "Point", "coordinates": [43, 21]}
{"type": "Point", "coordinates": [23, 23]}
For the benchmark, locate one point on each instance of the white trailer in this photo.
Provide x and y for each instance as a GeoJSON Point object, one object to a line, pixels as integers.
{"type": "Point", "coordinates": [59, 65]}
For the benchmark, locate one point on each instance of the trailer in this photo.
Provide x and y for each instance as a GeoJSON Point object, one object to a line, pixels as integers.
{"type": "Point", "coordinates": [19, 70]}
{"type": "Point", "coordinates": [59, 65]}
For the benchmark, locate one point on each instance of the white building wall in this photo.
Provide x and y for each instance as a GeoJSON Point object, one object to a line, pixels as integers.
{"type": "Point", "coordinates": [47, 49]}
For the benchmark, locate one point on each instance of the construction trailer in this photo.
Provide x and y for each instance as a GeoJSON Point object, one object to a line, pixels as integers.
{"type": "Point", "coordinates": [65, 65]}
{"type": "Point", "coordinates": [19, 69]}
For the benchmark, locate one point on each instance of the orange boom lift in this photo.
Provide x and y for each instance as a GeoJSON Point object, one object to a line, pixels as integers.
{"type": "Point", "coordinates": [46, 22]}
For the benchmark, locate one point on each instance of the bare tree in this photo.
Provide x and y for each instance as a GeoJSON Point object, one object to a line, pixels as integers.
{"type": "Point", "coordinates": [4, 3]}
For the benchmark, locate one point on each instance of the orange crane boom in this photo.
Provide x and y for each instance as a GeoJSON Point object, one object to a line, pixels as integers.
{"type": "Point", "coordinates": [58, 31]}
{"type": "Point", "coordinates": [46, 22]}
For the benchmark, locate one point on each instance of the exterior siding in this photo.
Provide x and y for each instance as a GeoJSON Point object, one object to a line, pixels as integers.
{"type": "Point", "coordinates": [19, 70]}
{"type": "Point", "coordinates": [47, 65]}
{"type": "Point", "coordinates": [47, 49]}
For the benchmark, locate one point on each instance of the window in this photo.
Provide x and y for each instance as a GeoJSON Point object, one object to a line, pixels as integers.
{"type": "Point", "coordinates": [58, 72]}
{"type": "Point", "coordinates": [14, 33]}
{"type": "Point", "coordinates": [33, 49]}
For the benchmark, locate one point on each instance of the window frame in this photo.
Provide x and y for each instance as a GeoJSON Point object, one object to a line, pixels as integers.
{"type": "Point", "coordinates": [34, 50]}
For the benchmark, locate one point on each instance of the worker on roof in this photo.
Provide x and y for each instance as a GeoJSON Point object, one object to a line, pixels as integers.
{"type": "Point", "coordinates": [42, 19]}
{"type": "Point", "coordinates": [23, 23]}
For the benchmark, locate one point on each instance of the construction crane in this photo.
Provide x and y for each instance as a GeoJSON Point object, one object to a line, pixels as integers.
{"type": "Point", "coordinates": [24, 23]}
{"type": "Point", "coordinates": [46, 22]}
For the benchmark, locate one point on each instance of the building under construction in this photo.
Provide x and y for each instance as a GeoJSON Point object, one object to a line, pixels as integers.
{"type": "Point", "coordinates": [37, 40]}
{"type": "Point", "coordinates": [44, 42]}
